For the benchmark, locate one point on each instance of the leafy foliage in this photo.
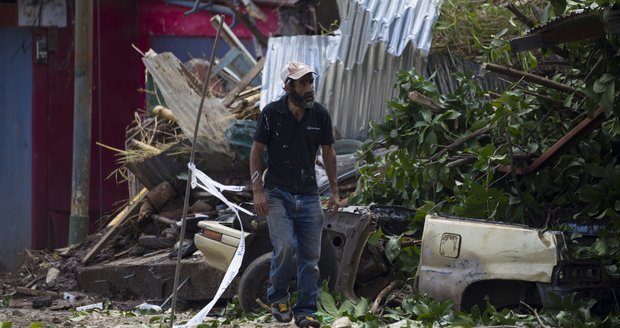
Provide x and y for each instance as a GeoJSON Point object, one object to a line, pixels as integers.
{"type": "Point", "coordinates": [464, 158]}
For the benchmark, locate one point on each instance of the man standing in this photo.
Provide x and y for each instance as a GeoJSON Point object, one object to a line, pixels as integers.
{"type": "Point", "coordinates": [293, 128]}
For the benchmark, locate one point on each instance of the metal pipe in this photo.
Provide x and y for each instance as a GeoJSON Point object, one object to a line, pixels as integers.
{"type": "Point", "coordinates": [205, 92]}
{"type": "Point", "coordinates": [82, 112]}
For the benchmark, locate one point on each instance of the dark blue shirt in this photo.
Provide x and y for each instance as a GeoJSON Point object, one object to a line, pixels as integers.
{"type": "Point", "coordinates": [292, 146]}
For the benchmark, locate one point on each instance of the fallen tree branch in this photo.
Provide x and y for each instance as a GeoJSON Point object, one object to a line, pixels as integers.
{"type": "Point", "coordinates": [374, 309]}
{"type": "Point", "coordinates": [529, 77]}
{"type": "Point", "coordinates": [422, 100]}
{"type": "Point", "coordinates": [263, 305]}
{"type": "Point", "coordinates": [459, 142]}
{"type": "Point", "coordinates": [410, 242]}
{"type": "Point", "coordinates": [462, 161]}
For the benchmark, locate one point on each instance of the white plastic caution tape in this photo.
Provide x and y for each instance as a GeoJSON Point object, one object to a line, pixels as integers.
{"type": "Point", "coordinates": [214, 188]}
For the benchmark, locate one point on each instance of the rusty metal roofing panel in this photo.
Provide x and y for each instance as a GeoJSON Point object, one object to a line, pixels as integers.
{"type": "Point", "coordinates": [579, 25]}
{"type": "Point", "coordinates": [357, 66]}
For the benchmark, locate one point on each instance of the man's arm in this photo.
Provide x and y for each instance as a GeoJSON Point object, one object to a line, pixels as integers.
{"type": "Point", "coordinates": [256, 157]}
{"type": "Point", "coordinates": [329, 160]}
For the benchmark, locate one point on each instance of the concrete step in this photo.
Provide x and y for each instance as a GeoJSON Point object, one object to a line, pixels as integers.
{"type": "Point", "coordinates": [151, 278]}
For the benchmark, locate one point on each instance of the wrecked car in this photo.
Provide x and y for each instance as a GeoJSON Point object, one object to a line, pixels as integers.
{"type": "Point", "coordinates": [349, 264]}
{"type": "Point", "coordinates": [471, 261]}
{"type": "Point", "coordinates": [467, 261]}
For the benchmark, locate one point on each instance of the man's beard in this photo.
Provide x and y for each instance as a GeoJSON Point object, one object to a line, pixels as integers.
{"type": "Point", "coordinates": [307, 101]}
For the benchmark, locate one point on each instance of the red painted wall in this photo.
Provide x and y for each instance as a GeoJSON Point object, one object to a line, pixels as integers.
{"type": "Point", "coordinates": [160, 18]}
{"type": "Point", "coordinates": [118, 74]}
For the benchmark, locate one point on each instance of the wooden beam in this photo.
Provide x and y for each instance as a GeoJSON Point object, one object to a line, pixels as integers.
{"type": "Point", "coordinates": [230, 97]}
{"type": "Point", "coordinates": [37, 292]}
{"type": "Point", "coordinates": [569, 140]}
{"type": "Point", "coordinates": [561, 146]}
{"type": "Point", "coordinates": [129, 211]}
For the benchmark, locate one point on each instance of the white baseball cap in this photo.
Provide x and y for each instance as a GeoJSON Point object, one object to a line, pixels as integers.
{"type": "Point", "coordinates": [294, 70]}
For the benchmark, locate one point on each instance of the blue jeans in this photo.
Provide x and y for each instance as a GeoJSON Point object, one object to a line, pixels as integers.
{"type": "Point", "coordinates": [295, 227]}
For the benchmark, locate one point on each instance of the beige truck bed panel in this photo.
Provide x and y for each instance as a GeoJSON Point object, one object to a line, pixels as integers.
{"type": "Point", "coordinates": [459, 252]}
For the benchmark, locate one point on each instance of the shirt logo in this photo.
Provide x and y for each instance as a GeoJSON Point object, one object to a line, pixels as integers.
{"type": "Point", "coordinates": [313, 128]}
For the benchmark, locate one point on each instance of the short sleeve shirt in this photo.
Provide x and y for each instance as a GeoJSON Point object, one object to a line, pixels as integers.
{"type": "Point", "coordinates": [292, 146]}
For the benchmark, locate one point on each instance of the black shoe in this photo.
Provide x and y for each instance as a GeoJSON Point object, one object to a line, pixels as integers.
{"type": "Point", "coordinates": [281, 312]}
{"type": "Point", "coordinates": [307, 320]}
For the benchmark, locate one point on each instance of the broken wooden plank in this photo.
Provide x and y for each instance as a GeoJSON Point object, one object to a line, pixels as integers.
{"type": "Point", "coordinates": [569, 140]}
{"type": "Point", "coordinates": [561, 146]}
{"type": "Point", "coordinates": [37, 292]}
{"type": "Point", "coordinates": [245, 20]}
{"type": "Point", "coordinates": [250, 91]}
{"type": "Point", "coordinates": [229, 37]}
{"type": "Point", "coordinates": [113, 227]}
{"type": "Point", "coordinates": [230, 97]}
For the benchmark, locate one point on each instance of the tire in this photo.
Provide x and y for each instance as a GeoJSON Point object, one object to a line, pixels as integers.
{"type": "Point", "coordinates": [253, 284]}
{"type": "Point", "coordinates": [346, 154]}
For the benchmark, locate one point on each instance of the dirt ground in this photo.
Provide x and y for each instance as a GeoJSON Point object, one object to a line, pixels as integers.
{"type": "Point", "coordinates": [46, 307]}
{"type": "Point", "coordinates": [19, 310]}
{"type": "Point", "coordinates": [28, 317]}
{"type": "Point", "coordinates": [22, 317]}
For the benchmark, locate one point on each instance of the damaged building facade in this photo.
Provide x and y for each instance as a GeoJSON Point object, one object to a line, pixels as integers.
{"type": "Point", "coordinates": [356, 65]}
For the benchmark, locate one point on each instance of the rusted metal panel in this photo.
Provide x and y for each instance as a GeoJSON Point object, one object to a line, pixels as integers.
{"type": "Point", "coordinates": [581, 25]}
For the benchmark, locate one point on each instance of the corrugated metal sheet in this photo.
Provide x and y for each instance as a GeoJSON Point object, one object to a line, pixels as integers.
{"type": "Point", "coordinates": [376, 39]}
{"type": "Point", "coordinates": [444, 66]}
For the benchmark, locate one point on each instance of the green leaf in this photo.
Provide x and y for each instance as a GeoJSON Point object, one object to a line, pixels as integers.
{"type": "Point", "coordinates": [36, 325]}
{"type": "Point", "coordinates": [346, 307]}
{"type": "Point", "coordinates": [6, 324]}
{"type": "Point", "coordinates": [478, 124]}
{"type": "Point", "coordinates": [361, 308]}
{"type": "Point", "coordinates": [392, 249]}
{"type": "Point", "coordinates": [533, 61]}
{"type": "Point", "coordinates": [375, 237]}
{"type": "Point", "coordinates": [427, 115]}
{"type": "Point", "coordinates": [450, 115]}
{"type": "Point", "coordinates": [606, 78]}
{"type": "Point", "coordinates": [327, 303]}
{"type": "Point", "coordinates": [599, 87]}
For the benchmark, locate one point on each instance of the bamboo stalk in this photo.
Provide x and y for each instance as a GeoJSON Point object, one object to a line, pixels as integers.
{"type": "Point", "coordinates": [145, 147]}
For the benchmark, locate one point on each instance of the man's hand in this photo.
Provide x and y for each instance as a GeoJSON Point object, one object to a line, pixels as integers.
{"type": "Point", "coordinates": [333, 203]}
{"type": "Point", "coordinates": [261, 207]}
